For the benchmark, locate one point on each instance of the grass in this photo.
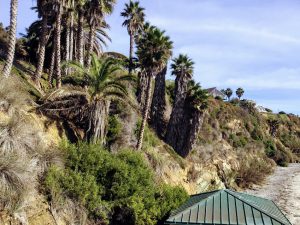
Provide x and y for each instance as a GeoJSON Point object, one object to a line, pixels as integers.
{"type": "Point", "coordinates": [253, 170]}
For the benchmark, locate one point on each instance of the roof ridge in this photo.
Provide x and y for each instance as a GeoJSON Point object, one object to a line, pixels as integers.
{"type": "Point", "coordinates": [232, 193]}
{"type": "Point", "coordinates": [206, 192]}
{"type": "Point", "coordinates": [202, 200]}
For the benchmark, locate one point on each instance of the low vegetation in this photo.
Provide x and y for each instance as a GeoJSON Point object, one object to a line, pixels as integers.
{"type": "Point", "coordinates": [117, 188]}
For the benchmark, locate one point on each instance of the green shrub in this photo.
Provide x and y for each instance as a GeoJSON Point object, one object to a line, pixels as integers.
{"type": "Point", "coordinates": [114, 129]}
{"type": "Point", "coordinates": [119, 188]}
{"type": "Point", "coordinates": [257, 134]}
{"type": "Point", "coordinates": [270, 148]}
{"type": "Point", "coordinates": [238, 141]}
{"type": "Point", "coordinates": [150, 139]}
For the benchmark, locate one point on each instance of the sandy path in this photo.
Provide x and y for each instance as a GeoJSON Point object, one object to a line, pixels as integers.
{"type": "Point", "coordinates": [283, 187]}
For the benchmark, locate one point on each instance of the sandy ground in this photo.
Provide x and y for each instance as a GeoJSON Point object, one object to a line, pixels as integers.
{"type": "Point", "coordinates": [283, 187]}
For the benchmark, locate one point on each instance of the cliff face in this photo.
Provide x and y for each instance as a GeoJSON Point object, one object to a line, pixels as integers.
{"type": "Point", "coordinates": [236, 147]}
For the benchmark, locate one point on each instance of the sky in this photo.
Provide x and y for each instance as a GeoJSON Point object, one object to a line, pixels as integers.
{"type": "Point", "coordinates": [253, 44]}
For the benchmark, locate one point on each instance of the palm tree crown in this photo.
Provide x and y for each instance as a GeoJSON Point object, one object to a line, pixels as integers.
{"type": "Point", "coordinates": [101, 79]}
{"type": "Point", "coordinates": [240, 92]}
{"type": "Point", "coordinates": [135, 16]}
{"type": "Point", "coordinates": [154, 50]}
{"type": "Point", "coordinates": [183, 65]}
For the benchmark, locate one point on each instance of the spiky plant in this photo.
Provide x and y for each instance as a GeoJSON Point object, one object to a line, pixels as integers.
{"type": "Point", "coordinates": [17, 180]}
{"type": "Point", "coordinates": [17, 136]}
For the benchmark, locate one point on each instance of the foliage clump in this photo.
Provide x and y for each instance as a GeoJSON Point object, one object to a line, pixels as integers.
{"type": "Point", "coordinates": [116, 188]}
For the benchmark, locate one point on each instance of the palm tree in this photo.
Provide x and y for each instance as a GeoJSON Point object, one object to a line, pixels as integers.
{"type": "Point", "coordinates": [158, 106]}
{"type": "Point", "coordinates": [195, 106]}
{"type": "Point", "coordinates": [240, 92]}
{"type": "Point", "coordinates": [96, 11]}
{"type": "Point", "coordinates": [80, 26]}
{"type": "Point", "coordinates": [134, 21]}
{"type": "Point", "coordinates": [11, 38]}
{"type": "Point", "coordinates": [58, 5]}
{"type": "Point", "coordinates": [102, 85]}
{"type": "Point", "coordinates": [228, 92]}
{"type": "Point", "coordinates": [154, 50]}
{"type": "Point", "coordinates": [43, 11]}
{"type": "Point", "coordinates": [183, 68]}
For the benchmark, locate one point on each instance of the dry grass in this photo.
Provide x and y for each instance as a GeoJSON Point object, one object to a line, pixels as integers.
{"type": "Point", "coordinates": [12, 95]}
{"type": "Point", "coordinates": [24, 154]}
{"type": "Point", "coordinates": [17, 180]}
{"type": "Point", "coordinates": [253, 170]}
{"type": "Point", "coordinates": [18, 135]}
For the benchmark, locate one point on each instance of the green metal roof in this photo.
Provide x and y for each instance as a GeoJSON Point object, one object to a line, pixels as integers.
{"type": "Point", "coordinates": [226, 207]}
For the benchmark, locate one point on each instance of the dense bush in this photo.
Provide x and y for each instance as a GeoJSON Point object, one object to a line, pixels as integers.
{"type": "Point", "coordinates": [118, 188]}
{"type": "Point", "coordinates": [238, 141]}
{"type": "Point", "coordinates": [114, 129]}
{"type": "Point", "coordinates": [270, 148]}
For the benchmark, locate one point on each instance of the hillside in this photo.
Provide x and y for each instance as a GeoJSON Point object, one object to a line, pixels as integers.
{"type": "Point", "coordinates": [89, 137]}
{"type": "Point", "coordinates": [236, 146]}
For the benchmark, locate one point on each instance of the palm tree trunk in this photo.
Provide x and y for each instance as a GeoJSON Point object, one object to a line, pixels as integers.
{"type": "Point", "coordinates": [145, 113]}
{"type": "Point", "coordinates": [67, 53]}
{"type": "Point", "coordinates": [98, 121]}
{"type": "Point", "coordinates": [11, 38]}
{"type": "Point", "coordinates": [158, 106]}
{"type": "Point", "coordinates": [142, 88]}
{"type": "Point", "coordinates": [41, 56]}
{"type": "Point", "coordinates": [92, 35]}
{"type": "Point", "coordinates": [58, 48]}
{"type": "Point", "coordinates": [71, 38]}
{"type": "Point", "coordinates": [131, 52]}
{"type": "Point", "coordinates": [80, 43]}
{"type": "Point", "coordinates": [52, 65]}
{"type": "Point", "coordinates": [194, 126]}
{"type": "Point", "coordinates": [174, 136]}
{"type": "Point", "coordinates": [68, 31]}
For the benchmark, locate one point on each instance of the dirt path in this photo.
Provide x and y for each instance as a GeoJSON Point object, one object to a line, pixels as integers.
{"type": "Point", "coordinates": [283, 187]}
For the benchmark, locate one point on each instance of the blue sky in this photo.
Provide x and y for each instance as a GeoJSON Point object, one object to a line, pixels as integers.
{"type": "Point", "coordinates": [254, 44]}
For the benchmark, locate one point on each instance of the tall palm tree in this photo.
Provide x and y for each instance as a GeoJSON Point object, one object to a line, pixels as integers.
{"type": "Point", "coordinates": [43, 11]}
{"type": "Point", "coordinates": [154, 50]}
{"type": "Point", "coordinates": [228, 92]}
{"type": "Point", "coordinates": [183, 68]}
{"type": "Point", "coordinates": [195, 106]}
{"type": "Point", "coordinates": [96, 11]}
{"type": "Point", "coordinates": [134, 21]}
{"type": "Point", "coordinates": [11, 38]}
{"type": "Point", "coordinates": [240, 92]}
{"type": "Point", "coordinates": [80, 29]}
{"type": "Point", "coordinates": [102, 85]}
{"type": "Point", "coordinates": [58, 28]}
{"type": "Point", "coordinates": [158, 105]}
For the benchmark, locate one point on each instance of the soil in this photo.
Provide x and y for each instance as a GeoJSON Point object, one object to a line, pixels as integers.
{"type": "Point", "coordinates": [283, 187]}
